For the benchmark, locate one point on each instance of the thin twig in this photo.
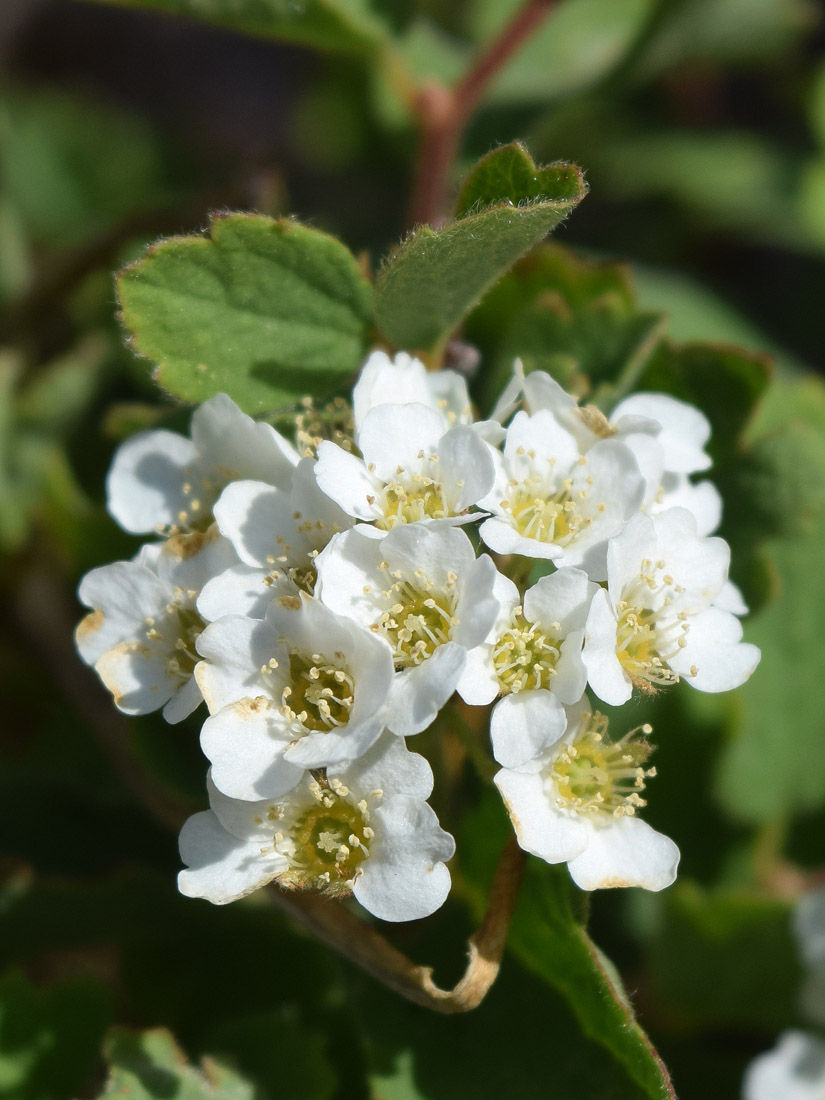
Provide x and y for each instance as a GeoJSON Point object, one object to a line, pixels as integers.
{"type": "Point", "coordinates": [443, 113]}
{"type": "Point", "coordinates": [365, 946]}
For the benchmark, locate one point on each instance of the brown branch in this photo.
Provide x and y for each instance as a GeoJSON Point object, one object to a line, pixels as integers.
{"type": "Point", "coordinates": [443, 113]}
{"type": "Point", "coordinates": [365, 946]}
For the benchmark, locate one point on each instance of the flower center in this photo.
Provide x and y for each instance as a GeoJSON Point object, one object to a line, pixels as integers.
{"type": "Point", "coordinates": [320, 694]}
{"type": "Point", "coordinates": [524, 656]}
{"type": "Point", "coordinates": [414, 496]}
{"type": "Point", "coordinates": [547, 517]}
{"type": "Point", "coordinates": [332, 421]}
{"type": "Point", "coordinates": [420, 620]}
{"type": "Point", "coordinates": [329, 841]}
{"type": "Point", "coordinates": [648, 634]}
{"type": "Point", "coordinates": [592, 775]}
{"type": "Point", "coordinates": [178, 631]}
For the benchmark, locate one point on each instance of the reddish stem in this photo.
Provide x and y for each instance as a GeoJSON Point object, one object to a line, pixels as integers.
{"type": "Point", "coordinates": [443, 112]}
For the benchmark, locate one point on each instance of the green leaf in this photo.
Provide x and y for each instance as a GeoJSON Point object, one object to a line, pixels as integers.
{"type": "Point", "coordinates": [351, 26]}
{"type": "Point", "coordinates": [149, 1065]}
{"type": "Point", "coordinates": [778, 720]}
{"type": "Point", "coordinates": [521, 1041]}
{"type": "Point", "coordinates": [549, 938]}
{"type": "Point", "coordinates": [709, 940]}
{"type": "Point", "coordinates": [429, 284]}
{"type": "Point", "coordinates": [266, 311]}
{"type": "Point", "coordinates": [508, 175]}
{"type": "Point", "coordinates": [49, 1038]}
{"type": "Point", "coordinates": [569, 316]}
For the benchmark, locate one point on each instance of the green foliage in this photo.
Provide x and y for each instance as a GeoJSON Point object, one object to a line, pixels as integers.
{"type": "Point", "coordinates": [36, 420]}
{"type": "Point", "coordinates": [149, 1065]}
{"type": "Point", "coordinates": [579, 44]}
{"type": "Point", "coordinates": [708, 941]}
{"type": "Point", "coordinates": [549, 938]}
{"type": "Point", "coordinates": [779, 721]}
{"type": "Point", "coordinates": [266, 311]}
{"type": "Point", "coordinates": [428, 285]}
{"type": "Point", "coordinates": [70, 167]}
{"type": "Point", "coordinates": [49, 1038]}
{"type": "Point", "coordinates": [557, 312]}
{"type": "Point", "coordinates": [352, 26]}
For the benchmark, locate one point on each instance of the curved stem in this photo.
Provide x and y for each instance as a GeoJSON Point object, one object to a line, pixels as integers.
{"type": "Point", "coordinates": [443, 112]}
{"type": "Point", "coordinates": [364, 945]}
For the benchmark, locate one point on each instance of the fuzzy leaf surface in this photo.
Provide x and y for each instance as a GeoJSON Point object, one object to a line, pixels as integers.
{"type": "Point", "coordinates": [266, 311]}
{"type": "Point", "coordinates": [507, 205]}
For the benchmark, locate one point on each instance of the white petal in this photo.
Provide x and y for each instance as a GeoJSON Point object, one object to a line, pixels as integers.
{"type": "Point", "coordinates": [731, 599]}
{"type": "Point", "coordinates": [393, 435]}
{"type": "Point", "coordinates": [625, 852]}
{"type": "Point", "coordinates": [525, 725]}
{"type": "Point", "coordinates": [237, 446]}
{"type": "Point", "coordinates": [419, 693]}
{"type": "Point", "coordinates": [121, 595]}
{"type": "Point", "coordinates": [466, 466]}
{"type": "Point", "coordinates": [222, 868]}
{"type": "Point", "coordinates": [479, 684]}
{"type": "Point", "coordinates": [235, 649]}
{"type": "Point", "coordinates": [137, 676]}
{"type": "Point", "coordinates": [605, 674]}
{"type": "Point", "coordinates": [685, 430]}
{"type": "Point", "coordinates": [702, 501]}
{"type": "Point", "coordinates": [241, 590]}
{"type": "Point", "coordinates": [564, 598]}
{"type": "Point", "coordinates": [502, 537]}
{"type": "Point", "coordinates": [714, 658]}
{"type": "Point", "coordinates": [245, 743]}
{"type": "Point", "coordinates": [385, 381]}
{"type": "Point", "coordinates": [389, 766]}
{"type": "Point", "coordinates": [404, 877]}
{"type": "Point", "coordinates": [257, 519]}
{"type": "Point", "coordinates": [346, 480]}
{"type": "Point", "coordinates": [144, 487]}
{"type": "Point", "coordinates": [186, 699]}
{"type": "Point", "coordinates": [541, 828]}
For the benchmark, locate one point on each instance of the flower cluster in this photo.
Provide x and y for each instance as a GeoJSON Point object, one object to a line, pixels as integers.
{"type": "Point", "coordinates": [327, 598]}
{"type": "Point", "coordinates": [795, 1068]}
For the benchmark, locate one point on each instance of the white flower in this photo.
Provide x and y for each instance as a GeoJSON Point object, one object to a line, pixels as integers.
{"type": "Point", "coordinates": [655, 623]}
{"type": "Point", "coordinates": [793, 1070]}
{"type": "Point", "coordinates": [666, 437]}
{"type": "Point", "coordinates": [533, 651]}
{"type": "Point", "coordinates": [575, 801]}
{"type": "Point", "coordinates": [365, 829]}
{"type": "Point", "coordinates": [423, 591]}
{"type": "Point", "coordinates": [550, 501]}
{"type": "Point", "coordinates": [277, 534]}
{"type": "Point", "coordinates": [140, 636]}
{"type": "Point", "coordinates": [413, 469]}
{"type": "Point", "coordinates": [300, 688]}
{"type": "Point", "coordinates": [160, 480]}
{"type": "Point", "coordinates": [404, 380]}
